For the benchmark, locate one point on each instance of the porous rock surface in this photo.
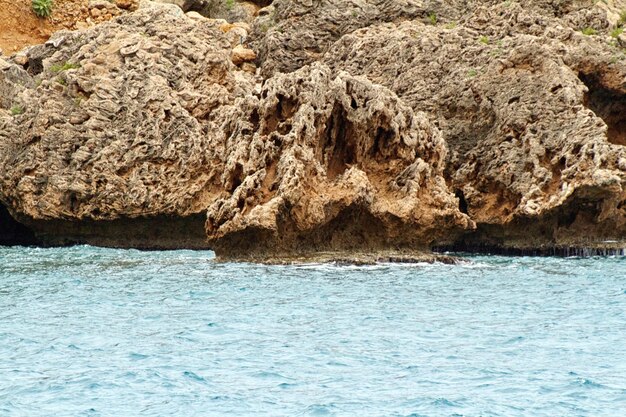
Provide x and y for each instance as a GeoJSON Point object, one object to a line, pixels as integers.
{"type": "Point", "coordinates": [116, 128]}
{"type": "Point", "coordinates": [135, 132]}
{"type": "Point", "coordinates": [534, 113]}
{"type": "Point", "coordinates": [319, 163]}
{"type": "Point", "coordinates": [293, 33]}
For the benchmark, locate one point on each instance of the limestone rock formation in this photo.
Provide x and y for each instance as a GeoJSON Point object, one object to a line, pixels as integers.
{"type": "Point", "coordinates": [13, 80]}
{"type": "Point", "coordinates": [134, 132]}
{"type": "Point", "coordinates": [293, 33]}
{"type": "Point", "coordinates": [187, 5]}
{"type": "Point", "coordinates": [114, 127]}
{"type": "Point", "coordinates": [229, 10]}
{"type": "Point", "coordinates": [534, 114]}
{"type": "Point", "coordinates": [314, 163]}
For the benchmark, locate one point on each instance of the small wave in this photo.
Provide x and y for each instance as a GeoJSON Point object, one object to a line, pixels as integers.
{"type": "Point", "coordinates": [588, 383]}
{"type": "Point", "coordinates": [515, 340]}
{"type": "Point", "coordinates": [319, 410]}
{"type": "Point", "coordinates": [269, 375]}
{"type": "Point", "coordinates": [194, 376]}
{"type": "Point", "coordinates": [444, 402]}
{"type": "Point", "coordinates": [137, 356]}
{"type": "Point", "coordinates": [336, 363]}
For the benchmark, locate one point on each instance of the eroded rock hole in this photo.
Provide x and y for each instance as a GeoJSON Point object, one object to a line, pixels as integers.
{"type": "Point", "coordinates": [338, 143]}
{"type": "Point", "coordinates": [279, 119]}
{"type": "Point", "coordinates": [382, 138]}
{"type": "Point", "coordinates": [463, 208]}
{"type": "Point", "coordinates": [13, 232]}
{"type": "Point", "coordinates": [609, 105]}
{"type": "Point", "coordinates": [236, 178]}
{"type": "Point", "coordinates": [73, 202]}
{"type": "Point", "coordinates": [556, 89]}
{"type": "Point", "coordinates": [254, 120]}
{"type": "Point", "coordinates": [286, 107]}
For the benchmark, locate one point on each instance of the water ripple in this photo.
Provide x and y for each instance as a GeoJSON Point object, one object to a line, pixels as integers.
{"type": "Point", "coordinates": [99, 332]}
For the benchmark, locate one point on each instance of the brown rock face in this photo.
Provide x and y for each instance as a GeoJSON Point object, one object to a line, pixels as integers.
{"type": "Point", "coordinates": [127, 4]}
{"type": "Point", "coordinates": [115, 126]}
{"type": "Point", "coordinates": [533, 114]}
{"type": "Point", "coordinates": [314, 163]}
{"type": "Point", "coordinates": [136, 131]}
{"type": "Point", "coordinates": [295, 33]}
{"type": "Point", "coordinates": [241, 55]}
{"type": "Point", "coordinates": [114, 130]}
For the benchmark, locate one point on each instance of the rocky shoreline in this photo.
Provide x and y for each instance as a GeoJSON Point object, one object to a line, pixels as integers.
{"type": "Point", "coordinates": [294, 129]}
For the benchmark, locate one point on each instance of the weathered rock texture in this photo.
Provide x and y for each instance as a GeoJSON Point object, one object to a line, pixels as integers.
{"type": "Point", "coordinates": [534, 114]}
{"type": "Point", "coordinates": [316, 163]}
{"type": "Point", "coordinates": [133, 131]}
{"type": "Point", "coordinates": [116, 127]}
{"type": "Point", "coordinates": [293, 33]}
{"type": "Point", "coordinates": [229, 10]}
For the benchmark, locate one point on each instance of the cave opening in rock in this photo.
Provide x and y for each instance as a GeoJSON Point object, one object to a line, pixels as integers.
{"type": "Point", "coordinates": [339, 143]}
{"type": "Point", "coordinates": [13, 232]}
{"type": "Point", "coordinates": [463, 208]}
{"type": "Point", "coordinates": [609, 105]}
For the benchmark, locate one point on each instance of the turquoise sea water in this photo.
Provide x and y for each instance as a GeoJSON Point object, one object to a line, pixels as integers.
{"type": "Point", "coordinates": [98, 332]}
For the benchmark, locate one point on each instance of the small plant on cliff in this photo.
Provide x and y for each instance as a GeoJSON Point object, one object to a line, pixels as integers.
{"type": "Point", "coordinates": [432, 18]}
{"type": "Point", "coordinates": [617, 31]}
{"type": "Point", "coordinates": [63, 67]}
{"type": "Point", "coordinates": [589, 31]}
{"type": "Point", "coordinates": [230, 4]}
{"type": "Point", "coordinates": [42, 8]}
{"type": "Point", "coordinates": [617, 58]}
{"type": "Point", "coordinates": [17, 109]}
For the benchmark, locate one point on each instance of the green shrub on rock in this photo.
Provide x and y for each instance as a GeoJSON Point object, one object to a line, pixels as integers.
{"type": "Point", "coordinates": [63, 67]}
{"type": "Point", "coordinates": [16, 109]}
{"type": "Point", "coordinates": [589, 31]}
{"type": "Point", "coordinates": [42, 8]}
{"type": "Point", "coordinates": [432, 18]}
{"type": "Point", "coordinates": [616, 32]}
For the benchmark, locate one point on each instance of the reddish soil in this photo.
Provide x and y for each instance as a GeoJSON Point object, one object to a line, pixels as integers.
{"type": "Point", "coordinates": [20, 27]}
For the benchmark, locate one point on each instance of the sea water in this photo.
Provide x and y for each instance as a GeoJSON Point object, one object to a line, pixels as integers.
{"type": "Point", "coordinates": [99, 332]}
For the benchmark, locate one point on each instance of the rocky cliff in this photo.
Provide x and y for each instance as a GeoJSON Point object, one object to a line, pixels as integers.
{"type": "Point", "coordinates": [534, 114]}
{"type": "Point", "coordinates": [364, 126]}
